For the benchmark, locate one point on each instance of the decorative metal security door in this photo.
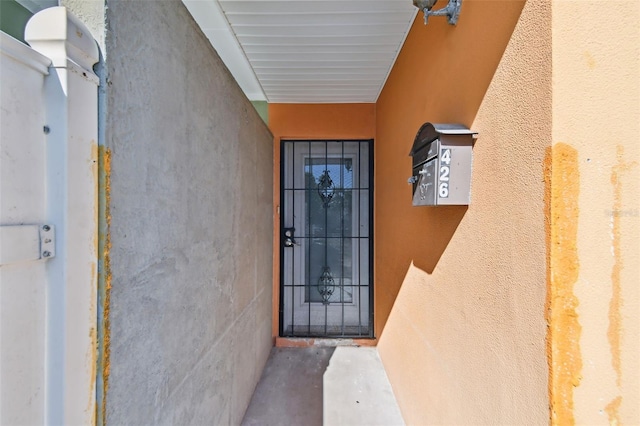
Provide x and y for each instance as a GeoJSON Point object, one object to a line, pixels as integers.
{"type": "Point", "coordinates": [326, 244]}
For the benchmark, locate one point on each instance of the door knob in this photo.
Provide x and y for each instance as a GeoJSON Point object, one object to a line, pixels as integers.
{"type": "Point", "coordinates": [288, 239]}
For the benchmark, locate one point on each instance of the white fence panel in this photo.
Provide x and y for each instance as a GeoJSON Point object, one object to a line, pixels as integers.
{"type": "Point", "coordinates": [48, 223]}
{"type": "Point", "coordinates": [23, 281]}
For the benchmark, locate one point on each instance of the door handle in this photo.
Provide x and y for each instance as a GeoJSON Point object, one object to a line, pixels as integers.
{"type": "Point", "coordinates": [288, 237]}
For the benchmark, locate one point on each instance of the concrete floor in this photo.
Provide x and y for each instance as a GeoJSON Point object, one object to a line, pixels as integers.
{"type": "Point", "coordinates": [290, 389]}
{"type": "Point", "coordinates": [334, 386]}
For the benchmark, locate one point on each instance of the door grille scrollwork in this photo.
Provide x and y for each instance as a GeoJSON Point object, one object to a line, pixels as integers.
{"type": "Point", "coordinates": [326, 188]}
{"type": "Point", "coordinates": [326, 285]}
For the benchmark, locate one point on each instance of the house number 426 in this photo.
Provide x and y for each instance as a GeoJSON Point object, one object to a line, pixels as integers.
{"type": "Point", "coordinates": [445, 171]}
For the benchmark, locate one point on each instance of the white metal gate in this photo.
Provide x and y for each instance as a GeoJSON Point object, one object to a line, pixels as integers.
{"type": "Point", "coordinates": [48, 223]}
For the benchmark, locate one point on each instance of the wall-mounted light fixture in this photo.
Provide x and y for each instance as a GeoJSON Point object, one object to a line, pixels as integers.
{"type": "Point", "coordinates": [451, 10]}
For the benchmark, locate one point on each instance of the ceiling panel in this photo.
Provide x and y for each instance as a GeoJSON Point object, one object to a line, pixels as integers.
{"type": "Point", "coordinates": [319, 19]}
{"type": "Point", "coordinates": [325, 40]}
{"type": "Point", "coordinates": [313, 6]}
{"type": "Point", "coordinates": [306, 51]}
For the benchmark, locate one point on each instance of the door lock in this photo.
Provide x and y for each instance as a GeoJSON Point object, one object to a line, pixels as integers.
{"type": "Point", "coordinates": [288, 239]}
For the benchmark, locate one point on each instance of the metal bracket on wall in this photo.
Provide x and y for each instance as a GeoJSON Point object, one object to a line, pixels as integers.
{"type": "Point", "coordinates": [25, 243]}
{"type": "Point", "coordinates": [451, 10]}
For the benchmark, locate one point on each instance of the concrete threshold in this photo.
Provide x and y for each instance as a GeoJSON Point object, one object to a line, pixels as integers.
{"type": "Point", "coordinates": [356, 390]}
{"type": "Point", "coordinates": [304, 342]}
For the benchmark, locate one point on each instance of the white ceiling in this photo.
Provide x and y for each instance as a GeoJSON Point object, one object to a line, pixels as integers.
{"type": "Point", "coordinates": [307, 51]}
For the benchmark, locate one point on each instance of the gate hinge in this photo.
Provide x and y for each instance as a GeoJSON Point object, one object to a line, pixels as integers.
{"type": "Point", "coordinates": [24, 243]}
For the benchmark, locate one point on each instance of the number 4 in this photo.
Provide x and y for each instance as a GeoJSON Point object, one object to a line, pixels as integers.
{"type": "Point", "coordinates": [445, 156]}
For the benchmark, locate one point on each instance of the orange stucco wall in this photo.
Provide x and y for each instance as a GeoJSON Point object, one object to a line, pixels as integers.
{"type": "Point", "coordinates": [461, 291]}
{"type": "Point", "coordinates": [311, 121]}
{"type": "Point", "coordinates": [524, 307]}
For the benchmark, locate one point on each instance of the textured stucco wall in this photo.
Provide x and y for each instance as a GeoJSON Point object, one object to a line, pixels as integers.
{"type": "Point", "coordinates": [189, 165]}
{"type": "Point", "coordinates": [596, 128]}
{"type": "Point", "coordinates": [92, 14]}
{"type": "Point", "coordinates": [464, 289]}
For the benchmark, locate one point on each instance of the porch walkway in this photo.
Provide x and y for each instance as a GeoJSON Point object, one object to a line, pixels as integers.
{"type": "Point", "coordinates": [334, 386]}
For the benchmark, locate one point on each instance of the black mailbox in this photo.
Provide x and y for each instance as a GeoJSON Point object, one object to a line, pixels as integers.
{"type": "Point", "coordinates": [442, 155]}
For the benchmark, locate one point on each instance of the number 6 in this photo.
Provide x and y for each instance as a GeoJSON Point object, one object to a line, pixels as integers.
{"type": "Point", "coordinates": [443, 190]}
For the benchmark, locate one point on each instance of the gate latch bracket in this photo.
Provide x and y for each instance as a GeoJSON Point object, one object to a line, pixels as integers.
{"type": "Point", "coordinates": [25, 243]}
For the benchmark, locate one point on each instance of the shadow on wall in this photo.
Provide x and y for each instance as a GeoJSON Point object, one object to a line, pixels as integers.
{"type": "Point", "coordinates": [441, 76]}
{"type": "Point", "coordinates": [429, 246]}
{"type": "Point", "coordinates": [443, 220]}
{"type": "Point", "coordinates": [458, 341]}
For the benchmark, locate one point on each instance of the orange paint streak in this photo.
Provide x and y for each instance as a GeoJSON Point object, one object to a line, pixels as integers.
{"type": "Point", "coordinates": [105, 158]}
{"type": "Point", "coordinates": [93, 362]}
{"type": "Point", "coordinates": [612, 411]}
{"type": "Point", "coordinates": [614, 331]}
{"type": "Point", "coordinates": [546, 173]}
{"type": "Point", "coordinates": [94, 171]}
{"type": "Point", "coordinates": [564, 327]}
{"type": "Point", "coordinates": [615, 318]}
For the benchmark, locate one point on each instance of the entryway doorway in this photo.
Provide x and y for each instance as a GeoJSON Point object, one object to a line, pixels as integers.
{"type": "Point", "coordinates": [326, 238]}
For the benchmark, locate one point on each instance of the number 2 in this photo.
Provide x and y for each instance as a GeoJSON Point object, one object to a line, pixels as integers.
{"type": "Point", "coordinates": [444, 173]}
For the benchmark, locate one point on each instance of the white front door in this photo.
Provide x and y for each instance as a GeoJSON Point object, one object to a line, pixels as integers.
{"type": "Point", "coordinates": [326, 241]}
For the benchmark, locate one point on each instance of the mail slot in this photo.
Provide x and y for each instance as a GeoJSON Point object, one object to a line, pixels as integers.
{"type": "Point", "coordinates": [442, 156]}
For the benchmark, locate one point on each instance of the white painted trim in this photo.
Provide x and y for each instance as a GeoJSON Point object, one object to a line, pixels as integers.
{"type": "Point", "coordinates": [14, 49]}
{"type": "Point", "coordinates": [56, 33]}
{"type": "Point", "coordinates": [209, 16]}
